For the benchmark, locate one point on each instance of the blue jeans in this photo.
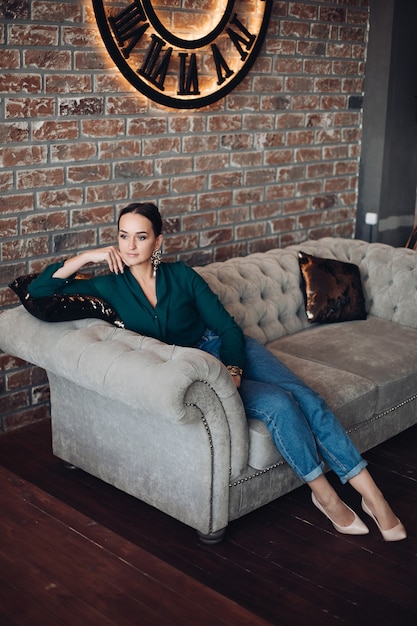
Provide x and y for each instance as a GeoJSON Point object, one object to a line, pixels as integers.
{"type": "Point", "coordinates": [303, 428]}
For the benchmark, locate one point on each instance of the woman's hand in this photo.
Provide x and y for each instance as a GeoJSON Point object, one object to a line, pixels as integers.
{"type": "Point", "coordinates": [109, 255]}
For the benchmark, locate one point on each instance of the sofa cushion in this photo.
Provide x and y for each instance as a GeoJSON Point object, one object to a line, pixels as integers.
{"type": "Point", "coordinates": [352, 398]}
{"type": "Point", "coordinates": [374, 349]}
{"type": "Point", "coordinates": [335, 361]}
{"type": "Point", "coordinates": [263, 453]}
{"type": "Point", "coordinates": [332, 289]}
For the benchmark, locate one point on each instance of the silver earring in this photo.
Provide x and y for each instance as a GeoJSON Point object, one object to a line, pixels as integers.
{"type": "Point", "coordinates": [156, 259]}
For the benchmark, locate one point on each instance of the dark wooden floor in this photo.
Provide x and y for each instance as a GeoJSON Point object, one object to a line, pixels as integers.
{"type": "Point", "coordinates": [75, 551]}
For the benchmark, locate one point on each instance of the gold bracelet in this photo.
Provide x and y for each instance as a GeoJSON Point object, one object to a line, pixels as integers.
{"type": "Point", "coordinates": [234, 370]}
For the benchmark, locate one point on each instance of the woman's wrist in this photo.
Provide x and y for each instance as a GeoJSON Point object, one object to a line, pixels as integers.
{"type": "Point", "coordinates": [71, 266]}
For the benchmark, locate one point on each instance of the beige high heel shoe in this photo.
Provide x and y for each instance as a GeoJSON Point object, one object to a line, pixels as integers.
{"type": "Point", "coordinates": [357, 527]}
{"type": "Point", "coordinates": [397, 533]}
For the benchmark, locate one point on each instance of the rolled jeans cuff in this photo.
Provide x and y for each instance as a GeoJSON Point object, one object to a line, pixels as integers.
{"type": "Point", "coordinates": [318, 471]}
{"type": "Point", "coordinates": [315, 473]}
{"type": "Point", "coordinates": [354, 472]}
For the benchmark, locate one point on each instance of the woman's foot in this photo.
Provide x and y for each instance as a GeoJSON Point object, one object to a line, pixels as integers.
{"type": "Point", "coordinates": [342, 517]}
{"type": "Point", "coordinates": [388, 523]}
{"type": "Point", "coordinates": [375, 505]}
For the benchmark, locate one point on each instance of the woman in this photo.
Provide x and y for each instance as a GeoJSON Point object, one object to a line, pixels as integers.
{"type": "Point", "coordinates": [171, 302]}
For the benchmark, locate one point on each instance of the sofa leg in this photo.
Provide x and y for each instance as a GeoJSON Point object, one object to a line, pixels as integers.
{"type": "Point", "coordinates": [212, 538]}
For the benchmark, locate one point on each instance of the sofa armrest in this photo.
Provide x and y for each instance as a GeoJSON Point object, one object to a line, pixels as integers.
{"type": "Point", "coordinates": [170, 382]}
{"type": "Point", "coordinates": [389, 277]}
{"type": "Point", "coordinates": [139, 371]}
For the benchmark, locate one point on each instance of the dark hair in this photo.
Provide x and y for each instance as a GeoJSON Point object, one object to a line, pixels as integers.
{"type": "Point", "coordinates": [148, 210]}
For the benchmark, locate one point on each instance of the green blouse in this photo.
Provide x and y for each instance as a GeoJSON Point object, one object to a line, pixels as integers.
{"type": "Point", "coordinates": [186, 306]}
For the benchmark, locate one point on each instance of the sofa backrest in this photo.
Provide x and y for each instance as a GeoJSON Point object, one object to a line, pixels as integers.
{"type": "Point", "coordinates": [263, 290]}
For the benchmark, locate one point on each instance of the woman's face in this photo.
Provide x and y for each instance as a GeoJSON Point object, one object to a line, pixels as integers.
{"type": "Point", "coordinates": [137, 240]}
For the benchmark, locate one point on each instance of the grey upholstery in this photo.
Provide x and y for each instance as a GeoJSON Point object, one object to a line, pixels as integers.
{"type": "Point", "coordinates": [166, 424]}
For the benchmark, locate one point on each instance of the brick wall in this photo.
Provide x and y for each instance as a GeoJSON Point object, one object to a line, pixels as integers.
{"type": "Point", "coordinates": [273, 163]}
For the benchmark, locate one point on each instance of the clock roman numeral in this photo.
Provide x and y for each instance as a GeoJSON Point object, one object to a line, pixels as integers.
{"type": "Point", "coordinates": [241, 38]}
{"type": "Point", "coordinates": [124, 26]}
{"type": "Point", "coordinates": [223, 70]}
{"type": "Point", "coordinates": [188, 80]}
{"type": "Point", "coordinates": [155, 67]}
{"type": "Point", "coordinates": [247, 40]}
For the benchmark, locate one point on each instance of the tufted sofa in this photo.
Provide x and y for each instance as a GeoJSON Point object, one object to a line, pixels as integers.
{"type": "Point", "coordinates": [166, 424]}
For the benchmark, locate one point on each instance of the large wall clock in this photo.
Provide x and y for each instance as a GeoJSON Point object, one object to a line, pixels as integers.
{"type": "Point", "coordinates": [183, 53]}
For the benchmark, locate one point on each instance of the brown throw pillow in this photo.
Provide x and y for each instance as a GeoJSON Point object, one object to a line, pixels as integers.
{"type": "Point", "coordinates": [332, 290]}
